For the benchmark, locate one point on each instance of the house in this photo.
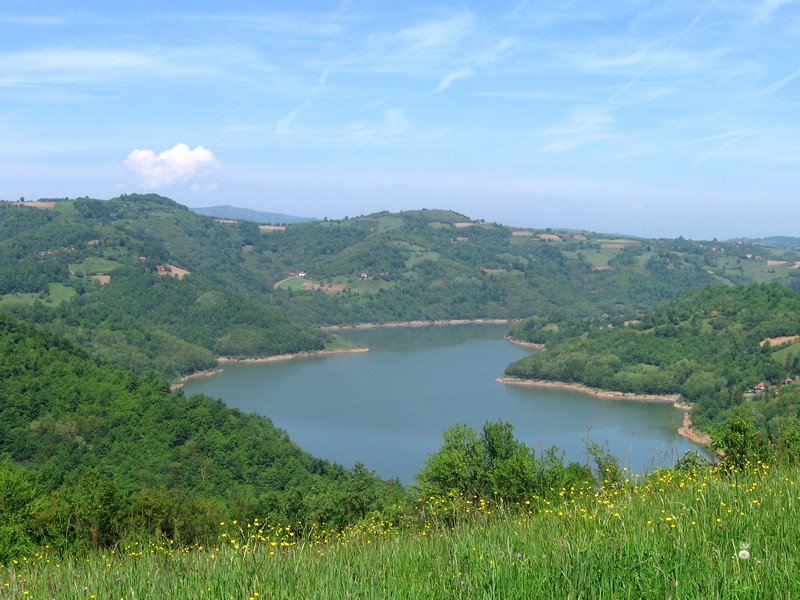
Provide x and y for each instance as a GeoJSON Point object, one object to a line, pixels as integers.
{"type": "Point", "coordinates": [761, 388]}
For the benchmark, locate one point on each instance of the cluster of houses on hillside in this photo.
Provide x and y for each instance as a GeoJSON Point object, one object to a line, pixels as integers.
{"type": "Point", "coordinates": [765, 387]}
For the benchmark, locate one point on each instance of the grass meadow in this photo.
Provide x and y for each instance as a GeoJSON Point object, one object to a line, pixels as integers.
{"type": "Point", "coordinates": [714, 534]}
{"type": "Point", "coordinates": [58, 293]}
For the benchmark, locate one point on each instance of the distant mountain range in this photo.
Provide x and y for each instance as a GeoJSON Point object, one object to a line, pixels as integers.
{"type": "Point", "coordinates": [247, 214]}
{"type": "Point", "coordinates": [775, 241]}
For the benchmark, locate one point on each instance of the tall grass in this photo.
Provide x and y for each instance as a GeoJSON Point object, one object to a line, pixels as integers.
{"type": "Point", "coordinates": [716, 534]}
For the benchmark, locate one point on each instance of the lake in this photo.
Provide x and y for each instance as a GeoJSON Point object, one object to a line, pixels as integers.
{"type": "Point", "coordinates": [388, 407]}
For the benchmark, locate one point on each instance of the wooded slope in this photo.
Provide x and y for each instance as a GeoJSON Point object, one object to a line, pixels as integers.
{"type": "Point", "coordinates": [712, 345]}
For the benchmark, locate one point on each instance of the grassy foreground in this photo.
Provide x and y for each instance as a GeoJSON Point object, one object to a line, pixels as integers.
{"type": "Point", "coordinates": [715, 534]}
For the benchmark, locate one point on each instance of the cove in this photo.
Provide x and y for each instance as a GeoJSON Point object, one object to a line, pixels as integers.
{"type": "Point", "coordinates": [388, 407]}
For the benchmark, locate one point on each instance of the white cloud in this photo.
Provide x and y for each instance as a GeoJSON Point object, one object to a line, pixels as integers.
{"type": "Point", "coordinates": [177, 166]}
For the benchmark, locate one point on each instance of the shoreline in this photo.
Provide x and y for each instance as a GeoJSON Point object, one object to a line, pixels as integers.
{"type": "Point", "coordinates": [224, 359]}
{"type": "Point", "coordinates": [686, 430]}
{"type": "Point", "coordinates": [419, 323]}
{"type": "Point", "coordinates": [277, 357]}
{"type": "Point", "coordinates": [533, 345]}
{"type": "Point", "coordinates": [179, 384]}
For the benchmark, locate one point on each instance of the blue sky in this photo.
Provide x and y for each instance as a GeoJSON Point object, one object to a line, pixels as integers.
{"type": "Point", "coordinates": [654, 118]}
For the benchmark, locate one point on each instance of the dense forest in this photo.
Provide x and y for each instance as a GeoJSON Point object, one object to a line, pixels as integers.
{"type": "Point", "coordinates": [713, 346]}
{"type": "Point", "coordinates": [90, 449]}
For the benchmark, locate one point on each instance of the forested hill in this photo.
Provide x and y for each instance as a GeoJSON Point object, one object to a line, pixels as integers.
{"type": "Point", "coordinates": [437, 264]}
{"type": "Point", "coordinates": [144, 282]}
{"type": "Point", "coordinates": [106, 440]}
{"type": "Point", "coordinates": [712, 345]}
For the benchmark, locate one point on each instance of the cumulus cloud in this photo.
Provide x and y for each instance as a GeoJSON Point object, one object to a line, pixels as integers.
{"type": "Point", "coordinates": [176, 166]}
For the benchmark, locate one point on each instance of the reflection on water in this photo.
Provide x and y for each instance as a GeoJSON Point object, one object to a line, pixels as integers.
{"type": "Point", "coordinates": [388, 407]}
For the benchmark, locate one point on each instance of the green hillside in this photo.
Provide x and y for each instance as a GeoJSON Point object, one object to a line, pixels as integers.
{"type": "Point", "coordinates": [142, 282]}
{"type": "Point", "coordinates": [711, 345]}
{"type": "Point", "coordinates": [146, 283]}
{"type": "Point", "coordinates": [683, 536]}
{"type": "Point", "coordinates": [100, 445]}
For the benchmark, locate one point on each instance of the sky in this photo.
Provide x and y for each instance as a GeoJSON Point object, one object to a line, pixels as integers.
{"type": "Point", "coordinates": [659, 118]}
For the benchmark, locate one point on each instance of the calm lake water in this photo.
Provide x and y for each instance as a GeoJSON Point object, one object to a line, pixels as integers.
{"type": "Point", "coordinates": [388, 407]}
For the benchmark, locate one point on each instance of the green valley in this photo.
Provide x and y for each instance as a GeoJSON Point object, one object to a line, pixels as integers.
{"type": "Point", "coordinates": [106, 470]}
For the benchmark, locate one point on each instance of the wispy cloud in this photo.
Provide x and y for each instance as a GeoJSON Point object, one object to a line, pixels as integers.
{"type": "Point", "coordinates": [583, 126]}
{"type": "Point", "coordinates": [448, 79]}
{"type": "Point", "coordinates": [764, 10]}
{"type": "Point", "coordinates": [736, 133]}
{"type": "Point", "coordinates": [721, 148]}
{"type": "Point", "coordinates": [437, 37]}
{"type": "Point", "coordinates": [423, 48]}
{"type": "Point", "coordinates": [284, 125]}
{"type": "Point", "coordinates": [395, 122]}
{"type": "Point", "coordinates": [36, 20]}
{"type": "Point", "coordinates": [88, 65]}
{"type": "Point", "coordinates": [782, 82]}
{"type": "Point", "coordinates": [674, 41]}
{"type": "Point", "coordinates": [74, 64]}
{"type": "Point", "coordinates": [291, 23]}
{"type": "Point", "coordinates": [483, 58]}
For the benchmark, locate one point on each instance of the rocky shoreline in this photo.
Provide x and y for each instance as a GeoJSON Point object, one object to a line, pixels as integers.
{"type": "Point", "coordinates": [277, 357]}
{"type": "Point", "coordinates": [533, 345]}
{"type": "Point", "coordinates": [224, 359]}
